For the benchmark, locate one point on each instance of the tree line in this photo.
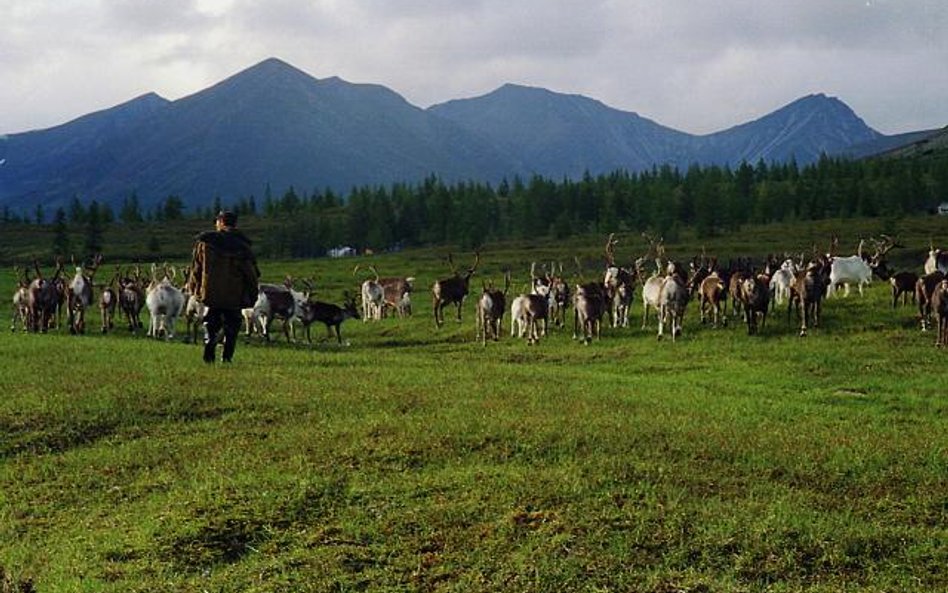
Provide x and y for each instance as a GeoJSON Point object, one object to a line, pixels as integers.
{"type": "Point", "coordinates": [664, 200]}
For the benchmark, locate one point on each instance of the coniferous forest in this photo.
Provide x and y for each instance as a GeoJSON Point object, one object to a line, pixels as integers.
{"type": "Point", "coordinates": [710, 200]}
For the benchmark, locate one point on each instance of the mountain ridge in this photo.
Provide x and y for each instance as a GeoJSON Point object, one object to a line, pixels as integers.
{"type": "Point", "coordinates": [274, 125]}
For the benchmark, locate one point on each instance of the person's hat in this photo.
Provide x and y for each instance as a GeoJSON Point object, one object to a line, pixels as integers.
{"type": "Point", "coordinates": [227, 217]}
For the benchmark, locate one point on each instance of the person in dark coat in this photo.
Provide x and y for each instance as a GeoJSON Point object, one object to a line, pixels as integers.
{"type": "Point", "coordinates": [224, 277]}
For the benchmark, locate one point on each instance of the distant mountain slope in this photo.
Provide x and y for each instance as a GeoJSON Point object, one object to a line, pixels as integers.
{"type": "Point", "coordinates": [269, 124]}
{"type": "Point", "coordinates": [556, 134]}
{"type": "Point", "coordinates": [274, 124]}
{"type": "Point", "coordinates": [802, 130]}
{"type": "Point", "coordinates": [72, 156]}
{"type": "Point", "coordinates": [909, 144]}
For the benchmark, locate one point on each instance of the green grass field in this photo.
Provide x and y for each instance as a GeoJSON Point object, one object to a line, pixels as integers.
{"type": "Point", "coordinates": [415, 459]}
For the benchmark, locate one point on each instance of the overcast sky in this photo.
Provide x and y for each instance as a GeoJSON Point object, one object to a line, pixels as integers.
{"type": "Point", "coordinates": [694, 65]}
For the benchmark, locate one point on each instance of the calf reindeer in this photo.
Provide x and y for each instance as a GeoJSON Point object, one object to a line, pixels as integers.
{"type": "Point", "coordinates": [452, 290]}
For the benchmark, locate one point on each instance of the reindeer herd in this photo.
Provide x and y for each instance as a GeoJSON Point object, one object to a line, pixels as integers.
{"type": "Point", "coordinates": [742, 290]}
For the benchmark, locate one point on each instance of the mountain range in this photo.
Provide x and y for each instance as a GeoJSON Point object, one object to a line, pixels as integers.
{"type": "Point", "coordinates": [275, 126]}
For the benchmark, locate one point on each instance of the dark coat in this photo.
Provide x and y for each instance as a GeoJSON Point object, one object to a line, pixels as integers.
{"type": "Point", "coordinates": [224, 271]}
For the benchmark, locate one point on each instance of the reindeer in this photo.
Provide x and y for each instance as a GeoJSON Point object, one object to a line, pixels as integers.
{"type": "Point", "coordinates": [21, 299]}
{"type": "Point", "coordinates": [939, 301]}
{"type": "Point", "coordinates": [781, 279]}
{"type": "Point", "coordinates": [589, 304]}
{"type": "Point", "coordinates": [755, 300]}
{"type": "Point", "coordinates": [924, 290]}
{"type": "Point", "coordinates": [44, 298]}
{"type": "Point", "coordinates": [452, 290]}
{"type": "Point", "coordinates": [108, 302]}
{"type": "Point", "coordinates": [937, 260]}
{"type": "Point", "coordinates": [858, 269]}
{"type": "Point", "coordinates": [903, 285]}
{"type": "Point", "coordinates": [652, 286]}
{"type": "Point", "coordinates": [165, 302]}
{"type": "Point", "coordinates": [373, 297]}
{"type": "Point", "coordinates": [530, 313]}
{"type": "Point", "coordinates": [194, 312]}
{"type": "Point", "coordinates": [559, 296]}
{"type": "Point", "coordinates": [737, 273]}
{"type": "Point", "coordinates": [711, 295]}
{"type": "Point", "coordinates": [619, 286]}
{"type": "Point", "coordinates": [672, 300]}
{"type": "Point", "coordinates": [131, 295]}
{"type": "Point", "coordinates": [490, 311]}
{"type": "Point", "coordinates": [79, 295]}
{"type": "Point", "coordinates": [329, 314]}
{"type": "Point", "coordinates": [279, 302]}
{"type": "Point", "coordinates": [807, 294]}
{"type": "Point", "coordinates": [396, 295]}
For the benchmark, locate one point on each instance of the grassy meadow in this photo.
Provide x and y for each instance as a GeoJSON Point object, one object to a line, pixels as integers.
{"type": "Point", "coordinates": [415, 459]}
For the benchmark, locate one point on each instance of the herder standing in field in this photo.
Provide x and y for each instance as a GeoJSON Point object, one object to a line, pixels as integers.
{"type": "Point", "coordinates": [224, 277]}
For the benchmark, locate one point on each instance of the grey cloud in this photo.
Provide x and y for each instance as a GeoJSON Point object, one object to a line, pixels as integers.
{"type": "Point", "coordinates": [697, 66]}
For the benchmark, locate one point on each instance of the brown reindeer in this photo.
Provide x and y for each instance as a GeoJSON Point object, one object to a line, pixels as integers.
{"type": "Point", "coordinates": [807, 293]}
{"type": "Point", "coordinates": [396, 293]}
{"type": "Point", "coordinates": [329, 314]}
{"type": "Point", "coordinates": [108, 302]}
{"type": "Point", "coordinates": [924, 290]}
{"type": "Point", "coordinates": [452, 290]}
{"type": "Point", "coordinates": [44, 298]}
{"type": "Point", "coordinates": [559, 296]}
{"type": "Point", "coordinates": [903, 285]}
{"type": "Point", "coordinates": [711, 296]}
{"type": "Point", "coordinates": [131, 294]}
{"type": "Point", "coordinates": [589, 305]}
{"type": "Point", "coordinates": [755, 300]}
{"type": "Point", "coordinates": [939, 302]}
{"type": "Point", "coordinates": [490, 311]}
{"type": "Point", "coordinates": [619, 286]}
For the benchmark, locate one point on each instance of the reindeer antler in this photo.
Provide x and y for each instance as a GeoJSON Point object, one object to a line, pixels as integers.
{"type": "Point", "coordinates": [477, 260]}
{"type": "Point", "coordinates": [579, 269]}
{"type": "Point", "coordinates": [454, 268]}
{"type": "Point", "coordinates": [611, 250]}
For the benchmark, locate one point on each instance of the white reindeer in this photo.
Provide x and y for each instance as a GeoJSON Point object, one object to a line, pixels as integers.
{"type": "Point", "coordinates": [165, 303]}
{"type": "Point", "coordinates": [373, 299]}
{"type": "Point", "coordinates": [651, 291]}
{"type": "Point", "coordinates": [782, 280]}
{"type": "Point", "coordinates": [672, 300]}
